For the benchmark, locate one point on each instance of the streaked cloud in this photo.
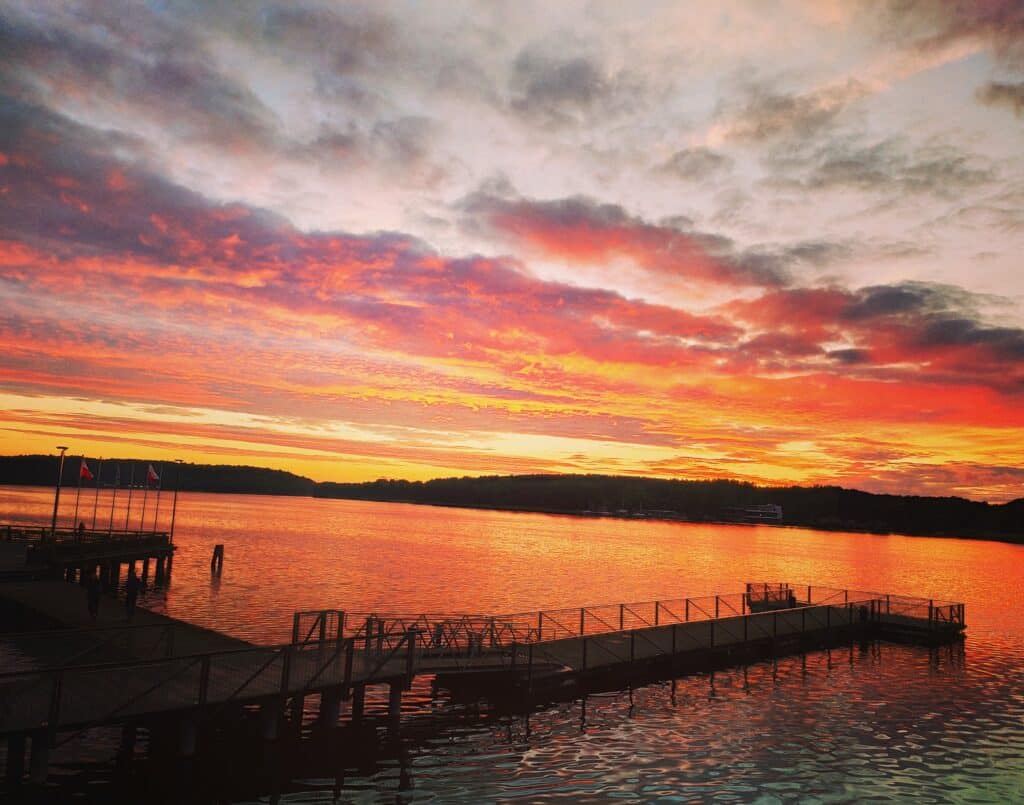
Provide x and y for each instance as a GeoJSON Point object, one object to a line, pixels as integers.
{"type": "Point", "coordinates": [360, 240]}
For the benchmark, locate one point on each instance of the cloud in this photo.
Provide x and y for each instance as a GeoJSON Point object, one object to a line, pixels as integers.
{"type": "Point", "coordinates": [763, 114]}
{"type": "Point", "coordinates": [138, 58]}
{"type": "Point", "coordinates": [580, 229]}
{"type": "Point", "coordinates": [553, 88]}
{"type": "Point", "coordinates": [995, 93]}
{"type": "Point", "coordinates": [930, 25]}
{"type": "Point", "coordinates": [889, 166]}
{"type": "Point", "coordinates": [697, 164]}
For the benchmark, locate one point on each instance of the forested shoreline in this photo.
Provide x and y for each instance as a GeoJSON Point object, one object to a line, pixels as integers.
{"type": "Point", "coordinates": [822, 507]}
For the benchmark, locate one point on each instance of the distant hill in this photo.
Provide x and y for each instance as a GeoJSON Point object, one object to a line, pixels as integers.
{"type": "Point", "coordinates": [822, 507]}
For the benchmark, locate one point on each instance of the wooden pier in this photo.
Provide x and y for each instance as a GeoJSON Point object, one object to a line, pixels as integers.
{"type": "Point", "coordinates": [160, 669]}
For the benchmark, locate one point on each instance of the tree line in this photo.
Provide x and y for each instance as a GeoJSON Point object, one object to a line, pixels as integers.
{"type": "Point", "coordinates": [823, 507]}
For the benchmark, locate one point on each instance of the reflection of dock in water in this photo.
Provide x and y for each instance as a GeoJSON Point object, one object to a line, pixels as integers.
{"type": "Point", "coordinates": [183, 680]}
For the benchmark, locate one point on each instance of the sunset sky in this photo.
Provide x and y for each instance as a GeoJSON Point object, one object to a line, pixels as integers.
{"type": "Point", "coordinates": [772, 241]}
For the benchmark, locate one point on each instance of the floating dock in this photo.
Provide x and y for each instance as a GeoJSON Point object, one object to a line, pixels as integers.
{"type": "Point", "coordinates": [160, 671]}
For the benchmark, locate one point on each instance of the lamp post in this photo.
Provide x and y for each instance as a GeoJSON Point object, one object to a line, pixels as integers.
{"type": "Point", "coordinates": [56, 496]}
{"type": "Point", "coordinates": [174, 504]}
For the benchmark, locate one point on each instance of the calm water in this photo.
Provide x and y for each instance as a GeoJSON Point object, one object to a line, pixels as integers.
{"type": "Point", "coordinates": [888, 723]}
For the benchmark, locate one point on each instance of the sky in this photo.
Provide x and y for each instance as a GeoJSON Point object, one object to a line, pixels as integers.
{"type": "Point", "coordinates": [774, 241]}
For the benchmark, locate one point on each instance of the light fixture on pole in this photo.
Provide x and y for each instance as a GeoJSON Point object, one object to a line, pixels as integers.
{"type": "Point", "coordinates": [56, 496]}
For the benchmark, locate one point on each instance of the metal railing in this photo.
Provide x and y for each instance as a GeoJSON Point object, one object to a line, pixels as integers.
{"type": "Point", "coordinates": [43, 534]}
{"type": "Point", "coordinates": [76, 695]}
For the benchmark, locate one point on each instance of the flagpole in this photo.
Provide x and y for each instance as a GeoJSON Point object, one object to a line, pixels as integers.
{"type": "Point", "coordinates": [159, 486]}
{"type": "Point", "coordinates": [56, 495]}
{"type": "Point", "coordinates": [131, 484]}
{"type": "Point", "coordinates": [78, 494]}
{"type": "Point", "coordinates": [174, 505]}
{"type": "Point", "coordinates": [117, 483]}
{"type": "Point", "coordinates": [96, 497]}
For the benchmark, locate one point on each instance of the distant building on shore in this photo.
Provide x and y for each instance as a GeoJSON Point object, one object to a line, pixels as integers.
{"type": "Point", "coordinates": [760, 513]}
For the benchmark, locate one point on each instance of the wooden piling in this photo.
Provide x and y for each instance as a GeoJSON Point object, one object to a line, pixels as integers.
{"type": "Point", "coordinates": [358, 703]}
{"type": "Point", "coordinates": [39, 761]}
{"type": "Point", "coordinates": [394, 710]}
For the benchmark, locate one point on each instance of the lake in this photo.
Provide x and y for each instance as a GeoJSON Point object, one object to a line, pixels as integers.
{"type": "Point", "coordinates": [888, 721]}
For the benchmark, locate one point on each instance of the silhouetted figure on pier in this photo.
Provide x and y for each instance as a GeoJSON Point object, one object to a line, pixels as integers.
{"type": "Point", "coordinates": [92, 593]}
{"type": "Point", "coordinates": [131, 590]}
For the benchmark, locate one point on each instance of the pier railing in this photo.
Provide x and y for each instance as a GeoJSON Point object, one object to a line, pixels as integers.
{"type": "Point", "coordinates": [43, 534]}
{"type": "Point", "coordinates": [75, 695]}
{"type": "Point", "coordinates": [454, 633]}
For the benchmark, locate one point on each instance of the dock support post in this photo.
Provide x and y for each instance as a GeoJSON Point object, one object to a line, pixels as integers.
{"type": "Point", "coordinates": [270, 717]}
{"type": "Point", "coordinates": [145, 570]}
{"type": "Point", "coordinates": [188, 733]}
{"type": "Point", "coordinates": [298, 707]}
{"type": "Point", "coordinates": [39, 761]}
{"type": "Point", "coordinates": [394, 710]}
{"type": "Point", "coordinates": [330, 707]}
{"type": "Point", "coordinates": [15, 759]}
{"type": "Point", "coordinates": [115, 574]}
{"type": "Point", "coordinates": [358, 703]}
{"type": "Point", "coordinates": [126, 750]}
{"type": "Point", "coordinates": [159, 570]}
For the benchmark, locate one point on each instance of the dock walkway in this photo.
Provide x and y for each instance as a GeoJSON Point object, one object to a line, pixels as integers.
{"type": "Point", "coordinates": [90, 674]}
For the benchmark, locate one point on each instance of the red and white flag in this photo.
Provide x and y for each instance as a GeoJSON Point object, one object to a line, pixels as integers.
{"type": "Point", "coordinates": [151, 477]}
{"type": "Point", "coordinates": [84, 473]}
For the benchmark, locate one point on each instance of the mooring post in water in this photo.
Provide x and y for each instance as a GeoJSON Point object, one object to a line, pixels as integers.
{"type": "Point", "coordinates": [217, 560]}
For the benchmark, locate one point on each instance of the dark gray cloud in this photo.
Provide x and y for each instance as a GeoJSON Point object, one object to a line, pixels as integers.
{"type": "Point", "coordinates": [697, 164]}
{"type": "Point", "coordinates": [1011, 96]}
{"type": "Point", "coordinates": [890, 166]}
{"type": "Point", "coordinates": [554, 88]}
{"type": "Point", "coordinates": [761, 113]}
{"type": "Point", "coordinates": [135, 57]}
{"type": "Point", "coordinates": [913, 298]}
{"type": "Point", "coordinates": [929, 25]}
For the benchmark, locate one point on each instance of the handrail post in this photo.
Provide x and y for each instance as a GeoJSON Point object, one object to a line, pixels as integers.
{"type": "Point", "coordinates": [687, 610]}
{"type": "Point", "coordinates": [350, 650]}
{"type": "Point", "coordinates": [931, 614]}
{"type": "Point", "coordinates": [295, 626]}
{"type": "Point", "coordinates": [55, 696]}
{"type": "Point", "coordinates": [716, 606]}
{"type": "Point", "coordinates": [622, 616]}
{"type": "Point", "coordinates": [657, 606]}
{"type": "Point", "coordinates": [410, 638]}
{"type": "Point", "coordinates": [583, 614]}
{"type": "Point", "coordinates": [540, 626]}
{"type": "Point", "coordinates": [204, 679]}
